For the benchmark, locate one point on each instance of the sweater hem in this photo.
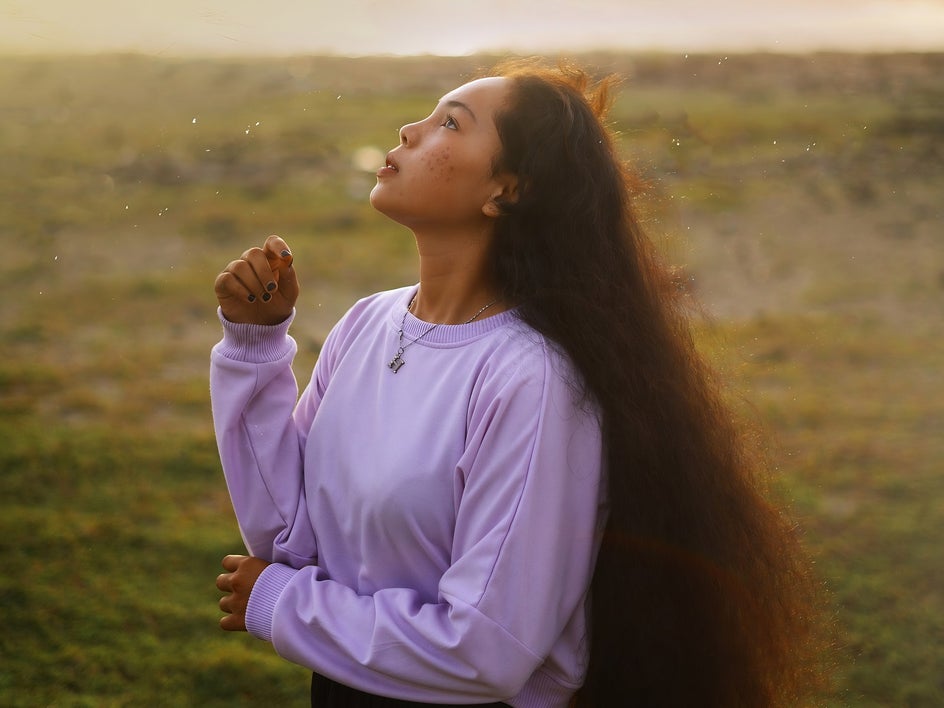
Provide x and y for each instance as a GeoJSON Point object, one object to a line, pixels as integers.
{"type": "Point", "coordinates": [543, 691]}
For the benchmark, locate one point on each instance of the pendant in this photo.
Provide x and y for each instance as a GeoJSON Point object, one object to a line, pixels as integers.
{"type": "Point", "coordinates": [396, 363]}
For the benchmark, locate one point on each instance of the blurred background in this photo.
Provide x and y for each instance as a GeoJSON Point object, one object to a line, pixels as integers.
{"type": "Point", "coordinates": [795, 162]}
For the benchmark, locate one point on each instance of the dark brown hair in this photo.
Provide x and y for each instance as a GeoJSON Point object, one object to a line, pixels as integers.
{"type": "Point", "coordinates": [702, 594]}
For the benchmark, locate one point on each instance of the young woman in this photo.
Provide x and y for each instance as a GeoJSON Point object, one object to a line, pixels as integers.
{"type": "Point", "coordinates": [515, 482]}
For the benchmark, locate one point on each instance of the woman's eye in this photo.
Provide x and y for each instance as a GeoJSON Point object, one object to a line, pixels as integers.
{"type": "Point", "coordinates": [450, 123]}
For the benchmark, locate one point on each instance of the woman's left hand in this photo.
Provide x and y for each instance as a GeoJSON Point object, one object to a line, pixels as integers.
{"type": "Point", "coordinates": [238, 582]}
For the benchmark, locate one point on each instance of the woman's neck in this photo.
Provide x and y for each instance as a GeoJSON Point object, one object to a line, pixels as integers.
{"type": "Point", "coordinates": [454, 282]}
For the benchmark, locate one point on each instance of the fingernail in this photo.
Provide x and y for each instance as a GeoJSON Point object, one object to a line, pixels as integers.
{"type": "Point", "coordinates": [270, 286]}
{"type": "Point", "coordinates": [286, 253]}
{"type": "Point", "coordinates": [251, 298]}
{"type": "Point", "coordinates": [266, 297]}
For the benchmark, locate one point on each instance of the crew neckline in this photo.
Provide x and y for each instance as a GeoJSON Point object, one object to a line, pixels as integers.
{"type": "Point", "coordinates": [444, 334]}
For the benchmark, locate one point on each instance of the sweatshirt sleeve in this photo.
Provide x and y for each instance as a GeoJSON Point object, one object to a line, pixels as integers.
{"type": "Point", "coordinates": [253, 393]}
{"type": "Point", "coordinates": [523, 552]}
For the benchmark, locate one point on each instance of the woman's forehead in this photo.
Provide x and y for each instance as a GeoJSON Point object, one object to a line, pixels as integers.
{"type": "Point", "coordinates": [489, 91]}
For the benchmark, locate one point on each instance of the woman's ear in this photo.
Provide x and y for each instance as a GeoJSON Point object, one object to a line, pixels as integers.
{"type": "Point", "coordinates": [506, 192]}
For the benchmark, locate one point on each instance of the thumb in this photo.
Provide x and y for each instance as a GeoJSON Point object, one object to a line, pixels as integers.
{"type": "Point", "coordinates": [277, 251]}
{"type": "Point", "coordinates": [288, 280]}
{"type": "Point", "coordinates": [281, 261]}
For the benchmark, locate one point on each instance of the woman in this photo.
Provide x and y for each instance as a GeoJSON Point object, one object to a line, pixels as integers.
{"type": "Point", "coordinates": [472, 452]}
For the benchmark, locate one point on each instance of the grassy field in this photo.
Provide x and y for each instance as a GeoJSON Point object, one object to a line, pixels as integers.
{"type": "Point", "coordinates": [799, 195]}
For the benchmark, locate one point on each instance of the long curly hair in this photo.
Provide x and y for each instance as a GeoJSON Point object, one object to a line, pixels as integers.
{"type": "Point", "coordinates": [702, 594]}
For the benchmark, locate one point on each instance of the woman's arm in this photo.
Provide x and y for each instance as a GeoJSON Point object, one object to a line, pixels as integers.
{"type": "Point", "coordinates": [253, 393]}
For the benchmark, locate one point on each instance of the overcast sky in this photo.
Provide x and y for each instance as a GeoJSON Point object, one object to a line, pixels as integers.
{"type": "Point", "coordinates": [175, 27]}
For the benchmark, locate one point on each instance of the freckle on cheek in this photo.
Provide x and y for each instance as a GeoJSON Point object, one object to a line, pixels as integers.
{"type": "Point", "coordinates": [439, 166]}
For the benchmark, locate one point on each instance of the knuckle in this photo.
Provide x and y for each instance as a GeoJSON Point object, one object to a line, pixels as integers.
{"type": "Point", "coordinates": [223, 286]}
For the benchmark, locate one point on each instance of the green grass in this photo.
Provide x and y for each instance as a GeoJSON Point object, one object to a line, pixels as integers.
{"type": "Point", "coordinates": [857, 415]}
{"type": "Point", "coordinates": [112, 540]}
{"type": "Point", "coordinates": [799, 197]}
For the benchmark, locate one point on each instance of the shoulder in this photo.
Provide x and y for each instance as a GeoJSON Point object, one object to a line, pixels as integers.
{"type": "Point", "coordinates": [369, 311]}
{"type": "Point", "coordinates": [381, 304]}
{"type": "Point", "coordinates": [372, 314]}
{"type": "Point", "coordinates": [525, 364]}
{"type": "Point", "coordinates": [526, 353]}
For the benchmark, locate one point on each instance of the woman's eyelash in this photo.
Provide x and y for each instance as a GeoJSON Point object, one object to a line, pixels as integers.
{"type": "Point", "coordinates": [450, 123]}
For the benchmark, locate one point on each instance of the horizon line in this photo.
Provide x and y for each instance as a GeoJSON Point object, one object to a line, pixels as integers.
{"type": "Point", "coordinates": [550, 51]}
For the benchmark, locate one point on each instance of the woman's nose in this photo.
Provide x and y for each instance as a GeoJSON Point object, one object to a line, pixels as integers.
{"type": "Point", "coordinates": [407, 133]}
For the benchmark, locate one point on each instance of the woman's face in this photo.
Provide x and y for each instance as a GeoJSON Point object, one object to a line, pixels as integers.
{"type": "Point", "coordinates": [440, 176]}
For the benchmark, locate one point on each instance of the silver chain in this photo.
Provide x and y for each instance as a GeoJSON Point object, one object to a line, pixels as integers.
{"type": "Point", "coordinates": [397, 362]}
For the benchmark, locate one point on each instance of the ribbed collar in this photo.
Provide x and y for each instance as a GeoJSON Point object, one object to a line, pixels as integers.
{"type": "Point", "coordinates": [444, 335]}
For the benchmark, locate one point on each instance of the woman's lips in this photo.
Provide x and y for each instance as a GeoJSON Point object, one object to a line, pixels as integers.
{"type": "Point", "coordinates": [390, 168]}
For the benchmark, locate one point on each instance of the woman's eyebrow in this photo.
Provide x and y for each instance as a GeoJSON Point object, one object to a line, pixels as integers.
{"type": "Point", "coordinates": [460, 104]}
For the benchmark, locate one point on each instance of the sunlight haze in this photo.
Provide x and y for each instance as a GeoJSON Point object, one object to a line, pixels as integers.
{"type": "Point", "coordinates": [202, 27]}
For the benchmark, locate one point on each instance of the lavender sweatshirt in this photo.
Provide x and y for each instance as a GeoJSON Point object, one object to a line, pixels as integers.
{"type": "Point", "coordinates": [432, 531]}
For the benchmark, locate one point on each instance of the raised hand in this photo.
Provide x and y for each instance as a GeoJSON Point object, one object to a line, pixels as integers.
{"type": "Point", "coordinates": [260, 287]}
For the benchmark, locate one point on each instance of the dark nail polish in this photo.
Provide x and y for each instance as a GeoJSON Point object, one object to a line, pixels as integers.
{"type": "Point", "coordinates": [286, 254]}
{"type": "Point", "coordinates": [251, 298]}
{"type": "Point", "coordinates": [266, 297]}
{"type": "Point", "coordinates": [271, 286]}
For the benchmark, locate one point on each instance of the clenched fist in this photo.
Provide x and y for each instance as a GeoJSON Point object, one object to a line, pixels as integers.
{"type": "Point", "coordinates": [259, 287]}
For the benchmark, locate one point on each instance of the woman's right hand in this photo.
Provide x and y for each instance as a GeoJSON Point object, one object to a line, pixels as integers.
{"type": "Point", "coordinates": [259, 287]}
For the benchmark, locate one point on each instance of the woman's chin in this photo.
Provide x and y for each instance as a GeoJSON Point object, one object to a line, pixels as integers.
{"type": "Point", "coordinates": [376, 198]}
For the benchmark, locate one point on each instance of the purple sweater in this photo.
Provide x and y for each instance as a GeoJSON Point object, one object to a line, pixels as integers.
{"type": "Point", "coordinates": [432, 531]}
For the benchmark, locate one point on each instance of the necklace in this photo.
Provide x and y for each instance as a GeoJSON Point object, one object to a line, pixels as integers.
{"type": "Point", "coordinates": [397, 362]}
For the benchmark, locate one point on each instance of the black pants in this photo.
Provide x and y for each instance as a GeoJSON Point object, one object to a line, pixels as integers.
{"type": "Point", "coordinates": [326, 693]}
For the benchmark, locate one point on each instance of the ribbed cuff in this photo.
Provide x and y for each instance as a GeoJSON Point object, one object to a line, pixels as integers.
{"type": "Point", "coordinates": [265, 594]}
{"type": "Point", "coordinates": [542, 691]}
{"type": "Point", "coordinates": [253, 343]}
